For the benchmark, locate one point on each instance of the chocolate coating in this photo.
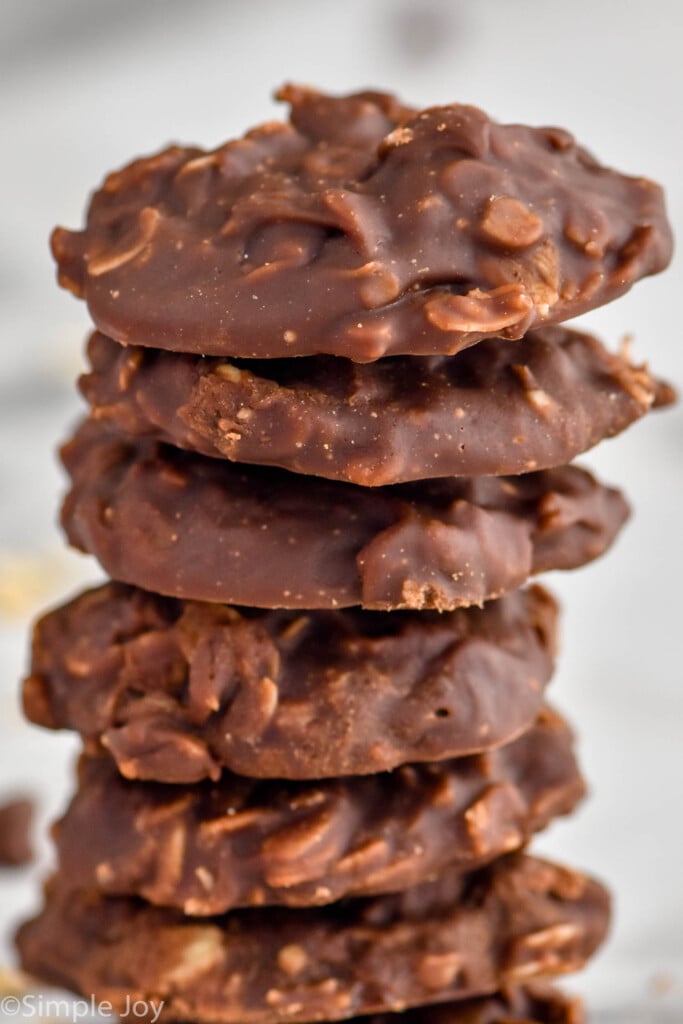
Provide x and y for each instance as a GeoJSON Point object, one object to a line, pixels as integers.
{"type": "Point", "coordinates": [237, 843]}
{"type": "Point", "coordinates": [361, 229]}
{"type": "Point", "coordinates": [495, 409]}
{"type": "Point", "coordinates": [453, 938]}
{"type": "Point", "coordinates": [189, 526]}
{"type": "Point", "coordinates": [176, 691]}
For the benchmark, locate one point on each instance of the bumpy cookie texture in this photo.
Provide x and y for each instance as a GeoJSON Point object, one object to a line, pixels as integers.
{"type": "Point", "coordinates": [194, 527]}
{"type": "Point", "coordinates": [179, 690]}
{"type": "Point", "coordinates": [495, 409]}
{"type": "Point", "coordinates": [362, 228]}
{"type": "Point", "coordinates": [240, 843]}
{"type": "Point", "coordinates": [453, 938]}
{"type": "Point", "coordinates": [16, 821]}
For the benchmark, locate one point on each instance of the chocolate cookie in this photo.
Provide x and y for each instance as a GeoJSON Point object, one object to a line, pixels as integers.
{"type": "Point", "coordinates": [238, 843]}
{"type": "Point", "coordinates": [494, 409]}
{"type": "Point", "coordinates": [361, 229]}
{"type": "Point", "coordinates": [200, 528]}
{"type": "Point", "coordinates": [16, 821]}
{"type": "Point", "coordinates": [453, 938]}
{"type": "Point", "coordinates": [179, 690]}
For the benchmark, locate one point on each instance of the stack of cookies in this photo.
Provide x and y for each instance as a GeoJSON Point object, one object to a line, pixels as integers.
{"type": "Point", "coordinates": [331, 416]}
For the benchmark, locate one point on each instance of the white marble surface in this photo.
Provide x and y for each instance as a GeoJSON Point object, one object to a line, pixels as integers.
{"type": "Point", "coordinates": [85, 84]}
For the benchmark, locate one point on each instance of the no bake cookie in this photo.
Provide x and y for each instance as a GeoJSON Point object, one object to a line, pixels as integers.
{"type": "Point", "coordinates": [177, 691]}
{"type": "Point", "coordinates": [495, 409]}
{"type": "Point", "coordinates": [237, 843]}
{"type": "Point", "coordinates": [190, 526]}
{"type": "Point", "coordinates": [362, 228]}
{"type": "Point", "coordinates": [453, 938]}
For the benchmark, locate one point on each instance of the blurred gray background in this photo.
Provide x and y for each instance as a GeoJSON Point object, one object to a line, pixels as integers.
{"type": "Point", "coordinates": [86, 84]}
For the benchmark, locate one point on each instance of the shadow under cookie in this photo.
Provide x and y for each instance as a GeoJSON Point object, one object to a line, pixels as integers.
{"type": "Point", "coordinates": [529, 1004]}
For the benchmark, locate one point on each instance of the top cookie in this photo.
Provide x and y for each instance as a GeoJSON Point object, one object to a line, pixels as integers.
{"type": "Point", "coordinates": [363, 228]}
